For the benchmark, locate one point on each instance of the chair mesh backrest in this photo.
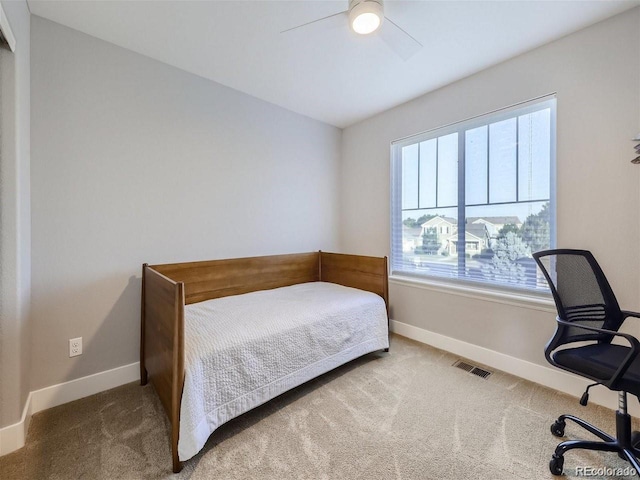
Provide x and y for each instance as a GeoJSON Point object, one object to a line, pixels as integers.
{"type": "Point", "coordinates": [582, 293]}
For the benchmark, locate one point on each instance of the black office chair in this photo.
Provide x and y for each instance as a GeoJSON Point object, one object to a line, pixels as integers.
{"type": "Point", "coordinates": [589, 314]}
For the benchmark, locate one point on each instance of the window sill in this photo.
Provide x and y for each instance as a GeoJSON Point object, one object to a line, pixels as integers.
{"type": "Point", "coordinates": [540, 302]}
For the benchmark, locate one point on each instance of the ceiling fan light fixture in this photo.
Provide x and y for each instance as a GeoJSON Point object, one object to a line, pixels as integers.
{"type": "Point", "coordinates": [365, 16]}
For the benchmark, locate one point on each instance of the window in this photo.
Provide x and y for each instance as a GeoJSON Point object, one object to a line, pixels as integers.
{"type": "Point", "coordinates": [472, 201]}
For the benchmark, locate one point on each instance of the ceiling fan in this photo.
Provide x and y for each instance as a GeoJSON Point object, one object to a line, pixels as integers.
{"type": "Point", "coordinates": [366, 17]}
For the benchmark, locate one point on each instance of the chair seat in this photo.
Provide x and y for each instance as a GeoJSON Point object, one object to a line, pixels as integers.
{"type": "Point", "coordinates": [600, 362]}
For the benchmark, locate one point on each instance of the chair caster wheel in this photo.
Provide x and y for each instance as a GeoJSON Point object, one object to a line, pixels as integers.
{"type": "Point", "coordinates": [556, 464]}
{"type": "Point", "coordinates": [557, 428]}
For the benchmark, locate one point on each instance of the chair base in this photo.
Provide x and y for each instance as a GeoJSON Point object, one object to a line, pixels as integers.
{"type": "Point", "coordinates": [624, 443]}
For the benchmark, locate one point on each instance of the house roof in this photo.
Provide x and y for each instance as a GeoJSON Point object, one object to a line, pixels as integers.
{"type": "Point", "coordinates": [477, 229]}
{"type": "Point", "coordinates": [438, 220]}
{"type": "Point", "coordinates": [468, 236]}
{"type": "Point", "coordinates": [411, 231]}
{"type": "Point", "coordinates": [495, 220]}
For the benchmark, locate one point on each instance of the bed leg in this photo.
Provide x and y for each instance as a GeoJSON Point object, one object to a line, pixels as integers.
{"type": "Point", "coordinates": [386, 349]}
{"type": "Point", "coordinates": [175, 433]}
{"type": "Point", "coordinates": [177, 464]}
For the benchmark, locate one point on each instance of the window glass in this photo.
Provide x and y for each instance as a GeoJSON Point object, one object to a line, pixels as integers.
{"type": "Point", "coordinates": [502, 161]}
{"type": "Point", "coordinates": [476, 166]}
{"type": "Point", "coordinates": [428, 173]}
{"type": "Point", "coordinates": [447, 159]}
{"type": "Point", "coordinates": [499, 183]}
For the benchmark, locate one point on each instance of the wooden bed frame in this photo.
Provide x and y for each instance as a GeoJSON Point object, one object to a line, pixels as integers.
{"type": "Point", "coordinates": [166, 289]}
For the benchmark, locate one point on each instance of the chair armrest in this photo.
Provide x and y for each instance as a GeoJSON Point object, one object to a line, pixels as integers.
{"type": "Point", "coordinates": [633, 342]}
{"type": "Point", "coordinates": [628, 313]}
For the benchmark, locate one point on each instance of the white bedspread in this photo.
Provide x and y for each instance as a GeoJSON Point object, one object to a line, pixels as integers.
{"type": "Point", "coordinates": [244, 350]}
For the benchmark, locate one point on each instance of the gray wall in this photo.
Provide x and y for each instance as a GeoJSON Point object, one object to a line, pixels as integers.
{"type": "Point", "coordinates": [134, 161]}
{"type": "Point", "coordinates": [595, 73]}
{"type": "Point", "coordinates": [15, 268]}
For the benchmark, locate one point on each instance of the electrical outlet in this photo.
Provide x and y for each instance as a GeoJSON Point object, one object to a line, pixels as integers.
{"type": "Point", "coordinates": [75, 347]}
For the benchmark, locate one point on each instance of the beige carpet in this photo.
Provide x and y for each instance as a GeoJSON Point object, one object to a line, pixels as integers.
{"type": "Point", "coordinates": [404, 415]}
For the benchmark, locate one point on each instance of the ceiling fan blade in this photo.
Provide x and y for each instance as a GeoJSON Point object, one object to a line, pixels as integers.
{"type": "Point", "coordinates": [398, 40]}
{"type": "Point", "coordinates": [335, 20]}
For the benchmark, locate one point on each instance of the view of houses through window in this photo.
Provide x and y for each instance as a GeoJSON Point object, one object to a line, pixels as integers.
{"type": "Point", "coordinates": [487, 230]}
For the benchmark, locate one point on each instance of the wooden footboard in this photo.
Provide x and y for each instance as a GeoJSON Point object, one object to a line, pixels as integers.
{"type": "Point", "coordinates": [357, 271]}
{"type": "Point", "coordinates": [162, 345]}
{"type": "Point", "coordinates": [166, 289]}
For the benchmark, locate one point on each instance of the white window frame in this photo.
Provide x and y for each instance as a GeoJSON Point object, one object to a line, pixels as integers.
{"type": "Point", "coordinates": [463, 284]}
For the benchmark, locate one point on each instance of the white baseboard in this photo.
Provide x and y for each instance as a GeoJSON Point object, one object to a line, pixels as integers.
{"type": "Point", "coordinates": [543, 375]}
{"type": "Point", "coordinates": [13, 436]}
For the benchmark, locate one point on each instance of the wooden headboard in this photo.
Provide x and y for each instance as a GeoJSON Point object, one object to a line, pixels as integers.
{"type": "Point", "coordinates": [220, 278]}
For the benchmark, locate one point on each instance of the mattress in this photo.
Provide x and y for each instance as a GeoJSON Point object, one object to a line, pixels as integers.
{"type": "Point", "coordinates": [243, 350]}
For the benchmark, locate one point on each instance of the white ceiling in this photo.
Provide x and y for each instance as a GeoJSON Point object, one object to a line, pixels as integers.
{"type": "Point", "coordinates": [331, 74]}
